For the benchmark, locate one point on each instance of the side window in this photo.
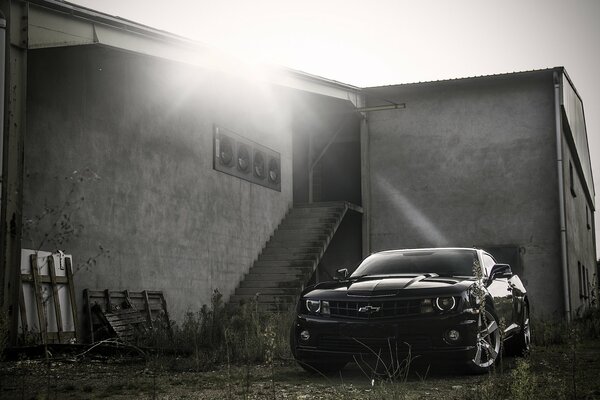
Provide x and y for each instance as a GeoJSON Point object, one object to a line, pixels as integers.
{"type": "Point", "coordinates": [488, 263]}
{"type": "Point", "coordinates": [587, 217]}
{"type": "Point", "coordinates": [571, 181]}
{"type": "Point", "coordinates": [580, 276]}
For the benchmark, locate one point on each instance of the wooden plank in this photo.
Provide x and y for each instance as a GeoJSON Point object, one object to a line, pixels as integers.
{"type": "Point", "coordinates": [37, 290]}
{"type": "Point", "coordinates": [116, 318]}
{"type": "Point", "coordinates": [65, 335]}
{"type": "Point", "coordinates": [88, 310]}
{"type": "Point", "coordinates": [71, 284]}
{"type": "Point", "coordinates": [134, 315]}
{"type": "Point", "coordinates": [23, 310]}
{"type": "Point", "coordinates": [166, 314]}
{"type": "Point", "coordinates": [127, 299]}
{"type": "Point", "coordinates": [44, 279]}
{"type": "Point", "coordinates": [57, 311]}
{"type": "Point", "coordinates": [131, 320]}
{"type": "Point", "coordinates": [115, 324]}
{"type": "Point", "coordinates": [107, 298]}
{"type": "Point", "coordinates": [147, 308]}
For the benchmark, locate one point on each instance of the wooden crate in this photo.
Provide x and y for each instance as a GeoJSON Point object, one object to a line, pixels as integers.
{"type": "Point", "coordinates": [121, 312]}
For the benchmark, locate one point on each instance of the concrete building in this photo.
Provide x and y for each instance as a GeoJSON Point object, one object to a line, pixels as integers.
{"type": "Point", "coordinates": [498, 162]}
{"type": "Point", "coordinates": [162, 165]}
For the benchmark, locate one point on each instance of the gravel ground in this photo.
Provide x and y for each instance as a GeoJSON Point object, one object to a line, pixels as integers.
{"type": "Point", "coordinates": [552, 370]}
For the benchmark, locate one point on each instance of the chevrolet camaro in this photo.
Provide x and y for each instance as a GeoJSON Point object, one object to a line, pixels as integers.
{"type": "Point", "coordinates": [457, 304]}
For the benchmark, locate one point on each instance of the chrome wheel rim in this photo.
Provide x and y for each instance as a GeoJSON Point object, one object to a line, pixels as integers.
{"type": "Point", "coordinates": [487, 346]}
{"type": "Point", "coordinates": [526, 328]}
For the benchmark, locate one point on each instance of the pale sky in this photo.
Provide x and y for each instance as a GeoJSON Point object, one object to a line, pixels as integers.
{"type": "Point", "coordinates": [382, 42]}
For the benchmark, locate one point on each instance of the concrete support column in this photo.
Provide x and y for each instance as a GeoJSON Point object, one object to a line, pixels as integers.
{"type": "Point", "coordinates": [16, 14]}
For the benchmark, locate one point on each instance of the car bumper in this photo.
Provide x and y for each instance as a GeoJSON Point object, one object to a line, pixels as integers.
{"type": "Point", "coordinates": [331, 338]}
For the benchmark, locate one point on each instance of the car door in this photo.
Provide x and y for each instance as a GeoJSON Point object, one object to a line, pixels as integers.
{"type": "Point", "coordinates": [501, 291]}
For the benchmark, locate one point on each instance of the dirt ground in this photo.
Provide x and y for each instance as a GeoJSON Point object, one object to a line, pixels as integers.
{"type": "Point", "coordinates": [556, 370]}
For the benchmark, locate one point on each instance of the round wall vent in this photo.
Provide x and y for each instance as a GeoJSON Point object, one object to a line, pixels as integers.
{"type": "Point", "coordinates": [274, 170]}
{"type": "Point", "coordinates": [225, 151]}
{"type": "Point", "coordinates": [243, 158]}
{"type": "Point", "coordinates": [259, 165]}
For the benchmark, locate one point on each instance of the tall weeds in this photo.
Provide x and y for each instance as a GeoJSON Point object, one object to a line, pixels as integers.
{"type": "Point", "coordinates": [218, 334]}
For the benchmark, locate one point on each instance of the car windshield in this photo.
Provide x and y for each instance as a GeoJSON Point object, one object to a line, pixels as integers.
{"type": "Point", "coordinates": [444, 262]}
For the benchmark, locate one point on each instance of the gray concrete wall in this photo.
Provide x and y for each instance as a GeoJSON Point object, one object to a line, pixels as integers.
{"type": "Point", "coordinates": [580, 233]}
{"type": "Point", "coordinates": [140, 132]}
{"type": "Point", "coordinates": [470, 162]}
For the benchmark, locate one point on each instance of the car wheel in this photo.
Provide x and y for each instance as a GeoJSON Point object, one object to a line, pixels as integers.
{"type": "Point", "coordinates": [487, 345]}
{"type": "Point", "coordinates": [519, 345]}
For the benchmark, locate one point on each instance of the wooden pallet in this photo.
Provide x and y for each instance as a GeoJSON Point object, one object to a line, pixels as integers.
{"type": "Point", "coordinates": [43, 289]}
{"type": "Point", "coordinates": [122, 313]}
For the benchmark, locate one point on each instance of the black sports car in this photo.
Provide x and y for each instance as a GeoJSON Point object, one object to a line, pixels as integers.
{"type": "Point", "coordinates": [446, 302]}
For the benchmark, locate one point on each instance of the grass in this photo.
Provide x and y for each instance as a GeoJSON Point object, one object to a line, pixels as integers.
{"type": "Point", "coordinates": [243, 354]}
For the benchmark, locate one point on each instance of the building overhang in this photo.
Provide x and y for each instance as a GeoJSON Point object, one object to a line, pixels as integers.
{"type": "Point", "coordinates": [53, 23]}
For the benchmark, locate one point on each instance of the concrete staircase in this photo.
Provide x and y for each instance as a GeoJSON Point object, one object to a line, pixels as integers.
{"type": "Point", "coordinates": [291, 256]}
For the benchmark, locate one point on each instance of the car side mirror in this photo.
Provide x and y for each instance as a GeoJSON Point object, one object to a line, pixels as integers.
{"type": "Point", "coordinates": [341, 274]}
{"type": "Point", "coordinates": [500, 271]}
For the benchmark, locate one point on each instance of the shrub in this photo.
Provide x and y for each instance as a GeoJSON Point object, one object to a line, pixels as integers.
{"type": "Point", "coordinates": [232, 334]}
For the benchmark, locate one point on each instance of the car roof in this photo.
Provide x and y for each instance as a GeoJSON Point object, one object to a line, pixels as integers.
{"type": "Point", "coordinates": [427, 249]}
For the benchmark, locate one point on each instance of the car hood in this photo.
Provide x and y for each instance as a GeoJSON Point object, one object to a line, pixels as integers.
{"type": "Point", "coordinates": [401, 286]}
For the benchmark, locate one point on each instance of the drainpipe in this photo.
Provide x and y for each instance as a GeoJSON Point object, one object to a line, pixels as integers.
{"type": "Point", "coordinates": [2, 72]}
{"type": "Point", "coordinates": [561, 199]}
{"type": "Point", "coordinates": [2, 94]}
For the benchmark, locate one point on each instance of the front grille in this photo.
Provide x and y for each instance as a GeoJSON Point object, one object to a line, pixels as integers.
{"type": "Point", "coordinates": [374, 309]}
{"type": "Point", "coordinates": [374, 345]}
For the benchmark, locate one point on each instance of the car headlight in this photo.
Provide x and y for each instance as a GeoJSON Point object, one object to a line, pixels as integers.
{"type": "Point", "coordinates": [318, 307]}
{"type": "Point", "coordinates": [313, 306]}
{"type": "Point", "coordinates": [445, 303]}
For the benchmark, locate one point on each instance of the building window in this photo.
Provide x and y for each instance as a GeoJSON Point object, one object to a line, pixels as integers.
{"type": "Point", "coordinates": [580, 276]}
{"type": "Point", "coordinates": [587, 283]}
{"type": "Point", "coordinates": [571, 181]}
{"type": "Point", "coordinates": [587, 217]}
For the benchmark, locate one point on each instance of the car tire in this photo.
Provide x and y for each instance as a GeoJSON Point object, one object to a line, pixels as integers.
{"type": "Point", "coordinates": [487, 343]}
{"type": "Point", "coordinates": [519, 345]}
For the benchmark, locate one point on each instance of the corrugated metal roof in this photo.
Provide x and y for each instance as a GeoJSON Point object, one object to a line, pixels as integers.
{"type": "Point", "coordinates": [499, 75]}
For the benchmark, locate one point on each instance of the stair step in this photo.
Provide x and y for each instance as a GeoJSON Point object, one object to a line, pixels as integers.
{"type": "Point", "coordinates": [316, 212]}
{"type": "Point", "coordinates": [293, 250]}
{"type": "Point", "coordinates": [273, 307]}
{"type": "Point", "coordinates": [305, 230]}
{"type": "Point", "coordinates": [288, 257]}
{"type": "Point", "coordinates": [283, 264]}
{"type": "Point", "coordinates": [269, 291]}
{"type": "Point", "coordinates": [339, 204]}
{"type": "Point", "coordinates": [299, 242]}
{"type": "Point", "coordinates": [315, 234]}
{"type": "Point", "coordinates": [266, 298]}
{"type": "Point", "coordinates": [310, 220]}
{"type": "Point", "coordinates": [266, 283]}
{"type": "Point", "coordinates": [293, 271]}
{"type": "Point", "coordinates": [278, 277]}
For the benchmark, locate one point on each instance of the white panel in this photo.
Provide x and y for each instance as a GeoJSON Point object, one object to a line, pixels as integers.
{"type": "Point", "coordinates": [574, 110]}
{"type": "Point", "coordinates": [51, 29]}
{"type": "Point", "coordinates": [48, 302]}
